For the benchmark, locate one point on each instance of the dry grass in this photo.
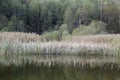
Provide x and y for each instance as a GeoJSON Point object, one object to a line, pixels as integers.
{"type": "Point", "coordinates": [107, 38]}
{"type": "Point", "coordinates": [25, 44]}
{"type": "Point", "coordinates": [30, 43]}
{"type": "Point", "coordinates": [20, 37]}
{"type": "Point", "coordinates": [57, 48]}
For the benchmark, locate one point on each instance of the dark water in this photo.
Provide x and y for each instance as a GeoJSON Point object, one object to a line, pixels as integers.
{"type": "Point", "coordinates": [57, 73]}
{"type": "Point", "coordinates": [48, 67]}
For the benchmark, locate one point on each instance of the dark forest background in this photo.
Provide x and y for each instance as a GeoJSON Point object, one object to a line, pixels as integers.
{"type": "Point", "coordinates": [41, 16]}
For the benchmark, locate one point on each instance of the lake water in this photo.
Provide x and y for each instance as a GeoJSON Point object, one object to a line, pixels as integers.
{"type": "Point", "coordinates": [59, 68]}
{"type": "Point", "coordinates": [57, 73]}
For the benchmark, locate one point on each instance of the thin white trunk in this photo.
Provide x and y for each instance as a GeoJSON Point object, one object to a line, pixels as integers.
{"type": "Point", "coordinates": [100, 5]}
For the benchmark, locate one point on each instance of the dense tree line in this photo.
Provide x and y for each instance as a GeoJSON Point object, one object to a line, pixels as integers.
{"type": "Point", "coordinates": [45, 15]}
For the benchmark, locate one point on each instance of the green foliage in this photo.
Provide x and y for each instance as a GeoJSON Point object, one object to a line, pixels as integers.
{"type": "Point", "coordinates": [111, 17]}
{"type": "Point", "coordinates": [93, 28]}
{"type": "Point", "coordinates": [66, 35]}
{"type": "Point", "coordinates": [3, 21]}
{"type": "Point", "coordinates": [11, 26]}
{"type": "Point", "coordinates": [20, 26]}
{"type": "Point", "coordinates": [42, 15]}
{"type": "Point", "coordinates": [50, 36]}
{"type": "Point", "coordinates": [62, 28]}
{"type": "Point", "coordinates": [64, 32]}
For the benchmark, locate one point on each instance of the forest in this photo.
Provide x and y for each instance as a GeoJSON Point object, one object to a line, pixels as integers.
{"type": "Point", "coordinates": [77, 17]}
{"type": "Point", "coordinates": [59, 39]}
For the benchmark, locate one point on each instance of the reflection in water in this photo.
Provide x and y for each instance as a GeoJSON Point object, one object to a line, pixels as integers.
{"type": "Point", "coordinates": [51, 60]}
{"type": "Point", "coordinates": [57, 73]}
{"type": "Point", "coordinates": [48, 67]}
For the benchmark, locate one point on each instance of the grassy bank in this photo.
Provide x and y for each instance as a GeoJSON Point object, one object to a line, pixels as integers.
{"type": "Point", "coordinates": [30, 43]}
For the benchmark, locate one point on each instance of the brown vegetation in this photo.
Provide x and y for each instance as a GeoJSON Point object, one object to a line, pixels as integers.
{"type": "Point", "coordinates": [30, 43]}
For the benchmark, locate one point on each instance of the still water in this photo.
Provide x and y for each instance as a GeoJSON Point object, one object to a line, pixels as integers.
{"type": "Point", "coordinates": [59, 68]}
{"type": "Point", "coordinates": [57, 73]}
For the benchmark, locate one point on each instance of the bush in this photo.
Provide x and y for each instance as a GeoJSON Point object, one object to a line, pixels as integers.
{"type": "Point", "coordinates": [50, 36]}
{"type": "Point", "coordinates": [63, 31]}
{"type": "Point", "coordinates": [62, 28]}
{"type": "Point", "coordinates": [65, 35]}
{"type": "Point", "coordinates": [93, 28]}
{"type": "Point", "coordinates": [5, 29]}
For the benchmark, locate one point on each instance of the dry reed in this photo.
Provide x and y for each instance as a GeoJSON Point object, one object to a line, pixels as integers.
{"type": "Point", "coordinates": [30, 43]}
{"type": "Point", "coordinates": [21, 37]}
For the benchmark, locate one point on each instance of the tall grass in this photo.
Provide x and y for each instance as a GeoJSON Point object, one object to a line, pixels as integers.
{"type": "Point", "coordinates": [23, 43]}
{"type": "Point", "coordinates": [58, 48]}
{"type": "Point", "coordinates": [106, 38]}
{"type": "Point", "coordinates": [29, 48]}
{"type": "Point", "coordinates": [20, 37]}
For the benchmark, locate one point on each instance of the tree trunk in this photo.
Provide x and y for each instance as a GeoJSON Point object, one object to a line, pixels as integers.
{"type": "Point", "coordinates": [101, 10]}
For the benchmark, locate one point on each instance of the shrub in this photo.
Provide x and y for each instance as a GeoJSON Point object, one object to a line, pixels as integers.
{"type": "Point", "coordinates": [94, 28]}
{"type": "Point", "coordinates": [78, 30]}
{"type": "Point", "coordinates": [66, 34]}
{"type": "Point", "coordinates": [50, 36]}
{"type": "Point", "coordinates": [63, 31]}
{"type": "Point", "coordinates": [62, 28]}
{"type": "Point", "coordinates": [4, 29]}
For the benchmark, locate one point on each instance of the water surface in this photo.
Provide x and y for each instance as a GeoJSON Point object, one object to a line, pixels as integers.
{"type": "Point", "coordinates": [54, 67]}
{"type": "Point", "coordinates": [57, 73]}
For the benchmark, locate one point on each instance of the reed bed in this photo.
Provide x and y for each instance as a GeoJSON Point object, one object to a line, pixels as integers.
{"type": "Point", "coordinates": [29, 48]}
{"type": "Point", "coordinates": [56, 48]}
{"type": "Point", "coordinates": [30, 43]}
{"type": "Point", "coordinates": [106, 38]}
{"type": "Point", "coordinates": [20, 37]}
